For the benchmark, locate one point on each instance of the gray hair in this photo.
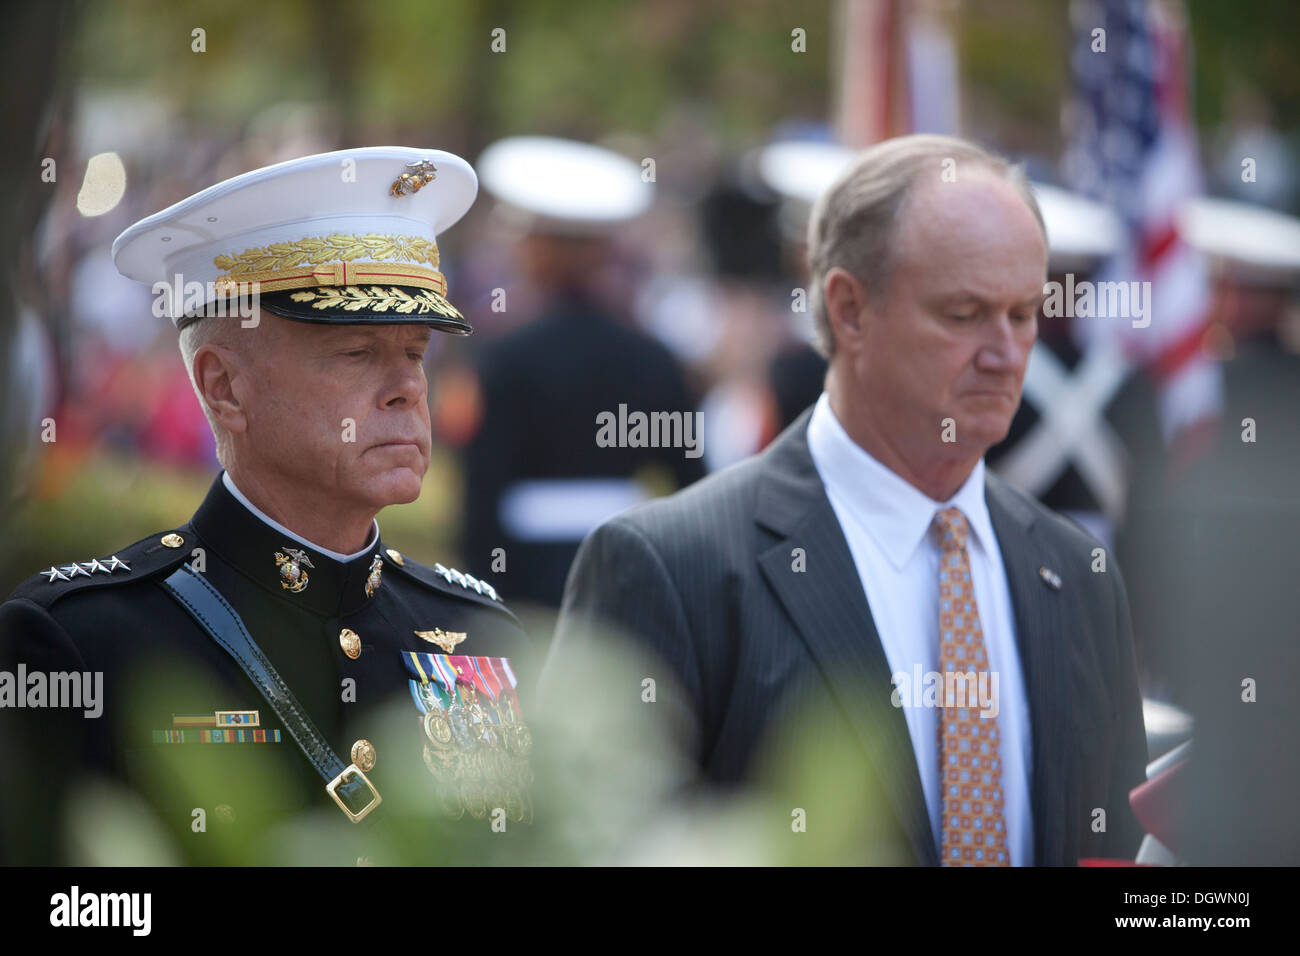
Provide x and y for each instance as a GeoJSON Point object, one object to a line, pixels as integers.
{"type": "Point", "coordinates": [212, 330]}
{"type": "Point", "coordinates": [853, 223]}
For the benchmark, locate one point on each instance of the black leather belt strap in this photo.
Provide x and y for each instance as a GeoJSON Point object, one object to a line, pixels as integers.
{"type": "Point", "coordinates": [345, 783]}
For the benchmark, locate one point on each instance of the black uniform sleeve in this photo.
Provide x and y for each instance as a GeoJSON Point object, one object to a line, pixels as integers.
{"type": "Point", "coordinates": [42, 749]}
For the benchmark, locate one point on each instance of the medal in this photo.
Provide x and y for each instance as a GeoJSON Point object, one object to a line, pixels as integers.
{"type": "Point", "coordinates": [475, 741]}
{"type": "Point", "coordinates": [437, 727]}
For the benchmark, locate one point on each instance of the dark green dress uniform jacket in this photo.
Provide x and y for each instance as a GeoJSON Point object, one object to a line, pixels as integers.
{"type": "Point", "coordinates": [157, 663]}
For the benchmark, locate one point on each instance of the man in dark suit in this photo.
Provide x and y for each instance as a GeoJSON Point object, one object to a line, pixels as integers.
{"type": "Point", "coordinates": [866, 557]}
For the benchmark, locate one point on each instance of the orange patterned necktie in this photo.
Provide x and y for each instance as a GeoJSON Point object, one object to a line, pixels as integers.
{"type": "Point", "coordinates": [970, 770]}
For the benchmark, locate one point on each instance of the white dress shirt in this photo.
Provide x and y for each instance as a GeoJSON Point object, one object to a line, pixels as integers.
{"type": "Point", "coordinates": [239, 496]}
{"type": "Point", "coordinates": [887, 523]}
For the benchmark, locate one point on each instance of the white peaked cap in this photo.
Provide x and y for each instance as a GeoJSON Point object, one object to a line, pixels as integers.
{"type": "Point", "coordinates": [1256, 243]}
{"type": "Point", "coordinates": [802, 170]}
{"type": "Point", "coordinates": [1079, 230]}
{"type": "Point", "coordinates": [346, 237]}
{"type": "Point", "coordinates": [565, 185]}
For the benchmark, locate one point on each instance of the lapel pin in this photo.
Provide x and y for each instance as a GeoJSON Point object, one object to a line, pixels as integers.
{"type": "Point", "coordinates": [372, 579]}
{"type": "Point", "coordinates": [292, 576]}
{"type": "Point", "coordinates": [1050, 578]}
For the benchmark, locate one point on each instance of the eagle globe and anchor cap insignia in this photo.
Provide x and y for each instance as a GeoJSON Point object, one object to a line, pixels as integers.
{"type": "Point", "coordinates": [291, 562]}
{"type": "Point", "coordinates": [417, 176]}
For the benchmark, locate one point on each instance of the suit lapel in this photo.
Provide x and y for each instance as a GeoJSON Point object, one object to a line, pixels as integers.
{"type": "Point", "coordinates": [1041, 638]}
{"type": "Point", "coordinates": [828, 606]}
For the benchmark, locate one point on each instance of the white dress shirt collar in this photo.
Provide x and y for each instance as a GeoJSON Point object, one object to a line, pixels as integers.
{"type": "Point", "coordinates": [895, 513]}
{"type": "Point", "coordinates": [239, 496]}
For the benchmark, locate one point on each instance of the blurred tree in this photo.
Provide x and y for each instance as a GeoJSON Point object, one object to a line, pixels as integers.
{"type": "Point", "coordinates": [1255, 42]}
{"type": "Point", "coordinates": [582, 68]}
{"type": "Point", "coordinates": [33, 45]}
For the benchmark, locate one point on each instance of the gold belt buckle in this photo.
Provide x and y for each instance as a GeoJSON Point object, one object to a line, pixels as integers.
{"type": "Point", "coordinates": [352, 770]}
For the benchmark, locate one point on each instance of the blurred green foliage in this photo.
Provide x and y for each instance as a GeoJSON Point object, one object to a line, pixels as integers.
{"type": "Point", "coordinates": [583, 68]}
{"type": "Point", "coordinates": [1252, 43]}
{"type": "Point", "coordinates": [610, 787]}
{"type": "Point", "coordinates": [589, 67]}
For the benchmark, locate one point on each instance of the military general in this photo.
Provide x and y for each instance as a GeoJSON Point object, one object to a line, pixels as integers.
{"type": "Point", "coordinates": [272, 655]}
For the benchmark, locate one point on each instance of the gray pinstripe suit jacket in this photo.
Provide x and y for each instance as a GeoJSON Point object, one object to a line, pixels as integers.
{"type": "Point", "coordinates": [704, 580]}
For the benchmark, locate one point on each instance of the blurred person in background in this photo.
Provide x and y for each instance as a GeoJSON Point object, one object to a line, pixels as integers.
{"type": "Point", "coordinates": [745, 328]}
{"type": "Point", "coordinates": [537, 479]}
{"type": "Point", "coordinates": [1216, 539]}
{"type": "Point", "coordinates": [742, 297]}
{"type": "Point", "coordinates": [864, 549]}
{"type": "Point", "coordinates": [1252, 448]}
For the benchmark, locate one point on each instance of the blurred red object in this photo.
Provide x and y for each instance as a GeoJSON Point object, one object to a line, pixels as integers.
{"type": "Point", "coordinates": [1160, 805]}
{"type": "Point", "coordinates": [175, 429]}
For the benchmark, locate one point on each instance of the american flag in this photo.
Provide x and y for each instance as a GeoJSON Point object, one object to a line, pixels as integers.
{"type": "Point", "coordinates": [1132, 145]}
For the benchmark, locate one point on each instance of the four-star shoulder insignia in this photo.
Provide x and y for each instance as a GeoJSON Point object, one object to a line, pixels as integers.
{"type": "Point", "coordinates": [135, 562]}
{"type": "Point", "coordinates": [467, 581]}
{"type": "Point", "coordinates": [84, 569]}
